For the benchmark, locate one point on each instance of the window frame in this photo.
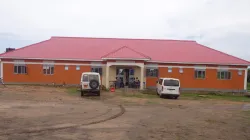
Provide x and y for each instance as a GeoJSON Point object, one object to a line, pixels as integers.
{"type": "Point", "coordinates": [66, 67]}
{"type": "Point", "coordinates": [225, 76]}
{"type": "Point", "coordinates": [78, 67]}
{"type": "Point", "coordinates": [202, 75]}
{"type": "Point", "coordinates": [22, 65]}
{"type": "Point", "coordinates": [181, 70]}
{"type": "Point", "coordinates": [240, 72]}
{"type": "Point", "coordinates": [170, 69]}
{"type": "Point", "coordinates": [23, 69]}
{"type": "Point", "coordinates": [48, 69]}
{"type": "Point", "coordinates": [155, 72]}
{"type": "Point", "coordinates": [99, 70]}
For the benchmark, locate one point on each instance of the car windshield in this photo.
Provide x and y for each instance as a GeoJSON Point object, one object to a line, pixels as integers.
{"type": "Point", "coordinates": [174, 83]}
{"type": "Point", "coordinates": [86, 78]}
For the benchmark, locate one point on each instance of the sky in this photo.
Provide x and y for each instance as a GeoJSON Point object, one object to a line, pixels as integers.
{"type": "Point", "coordinates": [220, 24]}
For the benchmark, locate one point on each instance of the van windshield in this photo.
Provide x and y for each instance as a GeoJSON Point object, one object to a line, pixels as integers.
{"type": "Point", "coordinates": [174, 83]}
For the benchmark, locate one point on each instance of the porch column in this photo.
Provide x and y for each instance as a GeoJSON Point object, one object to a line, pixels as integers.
{"type": "Point", "coordinates": [245, 80]}
{"type": "Point", "coordinates": [142, 77]}
{"type": "Point", "coordinates": [107, 76]}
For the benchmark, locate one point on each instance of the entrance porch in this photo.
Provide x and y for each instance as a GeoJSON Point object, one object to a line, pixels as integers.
{"type": "Point", "coordinates": [124, 71]}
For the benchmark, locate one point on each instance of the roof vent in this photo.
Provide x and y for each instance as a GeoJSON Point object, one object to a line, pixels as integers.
{"type": "Point", "coordinates": [9, 49]}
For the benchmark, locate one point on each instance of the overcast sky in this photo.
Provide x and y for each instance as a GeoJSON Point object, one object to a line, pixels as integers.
{"type": "Point", "coordinates": [220, 24]}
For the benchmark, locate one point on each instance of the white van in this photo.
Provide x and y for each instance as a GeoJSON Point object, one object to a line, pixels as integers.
{"type": "Point", "coordinates": [90, 82]}
{"type": "Point", "coordinates": [168, 86]}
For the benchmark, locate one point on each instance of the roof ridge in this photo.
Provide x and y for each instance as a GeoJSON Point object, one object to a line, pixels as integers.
{"type": "Point", "coordinates": [224, 53]}
{"type": "Point", "coordinates": [23, 47]}
{"type": "Point", "coordinates": [123, 38]}
{"type": "Point", "coordinates": [127, 48]}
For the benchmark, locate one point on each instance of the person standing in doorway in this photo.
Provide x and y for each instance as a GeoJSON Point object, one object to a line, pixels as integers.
{"type": "Point", "coordinates": [137, 83]}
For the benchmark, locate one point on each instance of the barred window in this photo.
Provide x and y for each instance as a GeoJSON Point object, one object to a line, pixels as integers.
{"type": "Point", "coordinates": [152, 72]}
{"type": "Point", "coordinates": [224, 75]}
{"type": "Point", "coordinates": [98, 70]}
{"type": "Point", "coordinates": [48, 69]}
{"type": "Point", "coordinates": [200, 74]}
{"type": "Point", "coordinates": [20, 67]}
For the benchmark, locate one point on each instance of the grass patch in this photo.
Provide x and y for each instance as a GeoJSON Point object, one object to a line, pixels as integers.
{"type": "Point", "coordinates": [236, 98]}
{"type": "Point", "coordinates": [72, 91]}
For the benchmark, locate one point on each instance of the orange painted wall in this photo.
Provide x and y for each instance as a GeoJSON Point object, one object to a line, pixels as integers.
{"type": "Point", "coordinates": [188, 80]}
{"type": "Point", "coordinates": [151, 81]}
{"type": "Point", "coordinates": [35, 74]}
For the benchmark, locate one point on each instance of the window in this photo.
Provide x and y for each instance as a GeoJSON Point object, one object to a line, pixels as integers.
{"type": "Point", "coordinates": [169, 69]}
{"type": "Point", "coordinates": [160, 81]}
{"type": "Point", "coordinates": [224, 75]}
{"type": "Point", "coordinates": [66, 67]}
{"type": "Point", "coordinates": [174, 83]}
{"type": "Point", "coordinates": [98, 70]}
{"type": "Point", "coordinates": [181, 70]}
{"type": "Point", "coordinates": [20, 67]}
{"type": "Point", "coordinates": [77, 67]}
{"type": "Point", "coordinates": [48, 69]}
{"type": "Point", "coordinates": [200, 74]}
{"type": "Point", "coordinates": [240, 72]}
{"type": "Point", "coordinates": [152, 72]}
{"type": "Point", "coordinates": [131, 72]}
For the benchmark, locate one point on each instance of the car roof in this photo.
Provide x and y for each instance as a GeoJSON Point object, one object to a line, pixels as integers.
{"type": "Point", "coordinates": [170, 79]}
{"type": "Point", "coordinates": [93, 73]}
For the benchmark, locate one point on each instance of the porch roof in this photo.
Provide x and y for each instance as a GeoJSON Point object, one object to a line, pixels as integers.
{"type": "Point", "coordinates": [126, 53]}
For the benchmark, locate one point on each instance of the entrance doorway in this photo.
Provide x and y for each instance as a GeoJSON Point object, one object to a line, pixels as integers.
{"type": "Point", "coordinates": [125, 75]}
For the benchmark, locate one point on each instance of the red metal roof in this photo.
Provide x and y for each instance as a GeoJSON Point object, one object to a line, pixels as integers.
{"type": "Point", "coordinates": [77, 48]}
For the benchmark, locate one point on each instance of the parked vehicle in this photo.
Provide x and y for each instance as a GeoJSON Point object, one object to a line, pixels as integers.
{"type": "Point", "coordinates": [90, 83]}
{"type": "Point", "coordinates": [169, 87]}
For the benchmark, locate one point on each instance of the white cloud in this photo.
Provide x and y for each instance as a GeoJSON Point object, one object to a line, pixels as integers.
{"type": "Point", "coordinates": [211, 22]}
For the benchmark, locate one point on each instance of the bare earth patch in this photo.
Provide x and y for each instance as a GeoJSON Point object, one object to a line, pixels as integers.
{"type": "Point", "coordinates": [36, 112]}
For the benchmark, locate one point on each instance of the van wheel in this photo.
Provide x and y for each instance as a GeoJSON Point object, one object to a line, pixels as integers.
{"type": "Point", "coordinates": [176, 97]}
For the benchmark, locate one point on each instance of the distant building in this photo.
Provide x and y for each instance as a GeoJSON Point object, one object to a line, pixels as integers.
{"type": "Point", "coordinates": [63, 59]}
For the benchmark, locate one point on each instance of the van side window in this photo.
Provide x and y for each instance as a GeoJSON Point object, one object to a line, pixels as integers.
{"type": "Point", "coordinates": [160, 81]}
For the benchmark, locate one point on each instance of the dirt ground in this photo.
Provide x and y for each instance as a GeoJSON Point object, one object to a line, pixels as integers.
{"type": "Point", "coordinates": [36, 112]}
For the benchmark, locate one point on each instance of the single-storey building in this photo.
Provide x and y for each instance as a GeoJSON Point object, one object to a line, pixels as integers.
{"type": "Point", "coordinates": [61, 60]}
